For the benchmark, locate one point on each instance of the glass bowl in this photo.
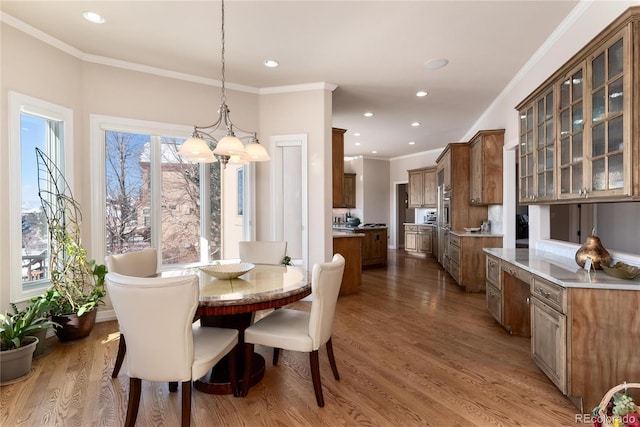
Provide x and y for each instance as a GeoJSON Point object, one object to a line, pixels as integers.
{"type": "Point", "coordinates": [228, 271]}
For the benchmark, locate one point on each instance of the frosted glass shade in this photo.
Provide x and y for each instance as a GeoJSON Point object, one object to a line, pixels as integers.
{"type": "Point", "coordinates": [194, 148]}
{"type": "Point", "coordinates": [229, 146]}
{"type": "Point", "coordinates": [257, 152]}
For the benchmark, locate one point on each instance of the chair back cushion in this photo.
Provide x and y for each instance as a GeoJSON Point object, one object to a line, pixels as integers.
{"type": "Point", "coordinates": [263, 252]}
{"type": "Point", "coordinates": [325, 287]}
{"type": "Point", "coordinates": [155, 315]}
{"type": "Point", "coordinates": [142, 263]}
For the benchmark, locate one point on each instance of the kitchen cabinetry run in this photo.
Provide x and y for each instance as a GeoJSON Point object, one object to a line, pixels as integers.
{"type": "Point", "coordinates": [418, 239]}
{"type": "Point", "coordinates": [580, 331]}
{"type": "Point", "coordinates": [485, 167]}
{"type": "Point", "coordinates": [577, 130]}
{"type": "Point", "coordinates": [494, 287]}
{"type": "Point", "coordinates": [337, 170]}
{"type": "Point", "coordinates": [466, 260]}
{"type": "Point", "coordinates": [422, 188]}
{"type": "Point", "coordinates": [516, 314]}
{"type": "Point", "coordinates": [349, 190]}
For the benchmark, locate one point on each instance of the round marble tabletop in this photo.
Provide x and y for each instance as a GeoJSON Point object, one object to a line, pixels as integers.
{"type": "Point", "coordinates": [266, 286]}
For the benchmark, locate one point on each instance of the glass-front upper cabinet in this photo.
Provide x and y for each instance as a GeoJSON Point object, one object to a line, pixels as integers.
{"type": "Point", "coordinates": [526, 163]}
{"type": "Point", "coordinates": [571, 120]}
{"type": "Point", "coordinates": [609, 148]}
{"type": "Point", "coordinates": [537, 150]}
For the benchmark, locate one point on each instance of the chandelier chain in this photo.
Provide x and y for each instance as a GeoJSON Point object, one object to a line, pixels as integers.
{"type": "Point", "coordinates": [224, 96]}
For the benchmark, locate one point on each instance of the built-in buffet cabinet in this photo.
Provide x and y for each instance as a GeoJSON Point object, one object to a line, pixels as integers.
{"type": "Point", "coordinates": [485, 167]}
{"type": "Point", "coordinates": [578, 130]}
{"type": "Point", "coordinates": [423, 188]}
{"type": "Point", "coordinates": [581, 324]}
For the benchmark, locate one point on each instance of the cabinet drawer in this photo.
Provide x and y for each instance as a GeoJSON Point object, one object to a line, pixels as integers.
{"type": "Point", "coordinates": [408, 228]}
{"type": "Point", "coordinates": [424, 229]}
{"type": "Point", "coordinates": [516, 272]}
{"type": "Point", "coordinates": [454, 270]}
{"type": "Point", "coordinates": [550, 293]}
{"type": "Point", "coordinates": [493, 272]}
{"type": "Point", "coordinates": [454, 240]}
{"type": "Point", "coordinates": [494, 302]}
{"type": "Point", "coordinates": [454, 253]}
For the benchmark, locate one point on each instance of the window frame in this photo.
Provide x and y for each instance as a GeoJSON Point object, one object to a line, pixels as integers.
{"type": "Point", "coordinates": [20, 103]}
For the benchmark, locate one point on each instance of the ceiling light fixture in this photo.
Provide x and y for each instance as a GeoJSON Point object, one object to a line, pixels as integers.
{"type": "Point", "coordinates": [356, 134]}
{"type": "Point", "coordinates": [271, 63]}
{"type": "Point", "coordinates": [368, 114]}
{"type": "Point", "coordinates": [412, 143]}
{"type": "Point", "coordinates": [422, 93]}
{"type": "Point", "coordinates": [94, 17]}
{"type": "Point", "coordinates": [357, 143]}
{"type": "Point", "coordinates": [228, 149]}
{"type": "Point", "coordinates": [434, 64]}
{"type": "Point", "coordinates": [415, 124]}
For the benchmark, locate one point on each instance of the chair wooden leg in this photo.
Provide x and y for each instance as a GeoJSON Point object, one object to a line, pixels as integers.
{"type": "Point", "coordinates": [173, 386]}
{"type": "Point", "coordinates": [332, 360]}
{"type": "Point", "coordinates": [135, 387]}
{"type": "Point", "coordinates": [248, 359]}
{"type": "Point", "coordinates": [233, 371]}
{"type": "Point", "coordinates": [276, 355]}
{"type": "Point", "coordinates": [122, 349]}
{"type": "Point", "coordinates": [315, 376]}
{"type": "Point", "coordinates": [186, 403]}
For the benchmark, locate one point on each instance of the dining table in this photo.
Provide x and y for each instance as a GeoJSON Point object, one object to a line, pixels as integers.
{"type": "Point", "coordinates": [232, 303]}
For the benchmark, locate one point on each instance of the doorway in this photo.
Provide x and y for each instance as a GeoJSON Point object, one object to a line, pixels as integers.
{"type": "Point", "coordinates": [403, 212]}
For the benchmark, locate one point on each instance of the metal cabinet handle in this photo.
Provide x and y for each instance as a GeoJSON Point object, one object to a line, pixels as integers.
{"type": "Point", "coordinates": [528, 301]}
{"type": "Point", "coordinates": [543, 293]}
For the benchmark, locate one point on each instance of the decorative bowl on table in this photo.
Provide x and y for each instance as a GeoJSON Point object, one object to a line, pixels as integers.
{"type": "Point", "coordinates": [622, 271]}
{"type": "Point", "coordinates": [228, 271]}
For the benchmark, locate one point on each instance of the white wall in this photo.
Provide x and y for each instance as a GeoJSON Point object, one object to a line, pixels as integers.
{"type": "Point", "coordinates": [375, 179]}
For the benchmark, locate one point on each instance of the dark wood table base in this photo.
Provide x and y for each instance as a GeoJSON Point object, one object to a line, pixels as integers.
{"type": "Point", "coordinates": [217, 381]}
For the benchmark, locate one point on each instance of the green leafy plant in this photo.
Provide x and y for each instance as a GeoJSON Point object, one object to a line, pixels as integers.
{"type": "Point", "coordinates": [287, 260]}
{"type": "Point", "coordinates": [22, 323]}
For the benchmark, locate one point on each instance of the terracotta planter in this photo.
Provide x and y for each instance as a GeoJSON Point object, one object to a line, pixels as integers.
{"type": "Point", "coordinates": [16, 363]}
{"type": "Point", "coordinates": [74, 327]}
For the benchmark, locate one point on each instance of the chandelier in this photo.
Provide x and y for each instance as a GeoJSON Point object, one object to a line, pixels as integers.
{"type": "Point", "coordinates": [230, 148]}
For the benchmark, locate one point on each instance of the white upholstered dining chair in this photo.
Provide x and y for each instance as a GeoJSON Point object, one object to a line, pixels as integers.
{"type": "Point", "coordinates": [156, 314]}
{"type": "Point", "coordinates": [143, 263]}
{"type": "Point", "coordinates": [300, 330]}
{"type": "Point", "coordinates": [263, 252]}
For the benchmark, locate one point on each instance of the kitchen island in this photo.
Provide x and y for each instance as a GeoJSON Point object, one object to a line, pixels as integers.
{"type": "Point", "coordinates": [583, 325]}
{"type": "Point", "coordinates": [374, 243]}
{"type": "Point", "coordinates": [349, 245]}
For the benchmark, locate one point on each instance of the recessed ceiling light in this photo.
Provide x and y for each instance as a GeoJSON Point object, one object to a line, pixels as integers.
{"type": "Point", "coordinates": [422, 93]}
{"type": "Point", "coordinates": [368, 114]}
{"type": "Point", "coordinates": [412, 143]}
{"type": "Point", "coordinates": [356, 134]}
{"type": "Point", "coordinates": [374, 152]}
{"type": "Point", "coordinates": [415, 124]}
{"type": "Point", "coordinates": [94, 17]}
{"type": "Point", "coordinates": [436, 63]}
{"type": "Point", "coordinates": [271, 63]}
{"type": "Point", "coordinates": [357, 143]}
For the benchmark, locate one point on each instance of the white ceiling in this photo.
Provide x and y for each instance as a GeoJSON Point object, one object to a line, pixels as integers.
{"type": "Point", "coordinates": [375, 51]}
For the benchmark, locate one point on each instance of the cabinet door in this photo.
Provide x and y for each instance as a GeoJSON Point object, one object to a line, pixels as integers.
{"type": "Point", "coordinates": [475, 172]}
{"type": "Point", "coordinates": [410, 241]}
{"type": "Point", "coordinates": [525, 153]}
{"type": "Point", "coordinates": [425, 242]}
{"type": "Point", "coordinates": [549, 342]}
{"type": "Point", "coordinates": [337, 157]}
{"type": "Point", "coordinates": [429, 188]}
{"type": "Point", "coordinates": [350, 190]}
{"type": "Point", "coordinates": [415, 189]}
{"type": "Point", "coordinates": [609, 154]}
{"type": "Point", "coordinates": [545, 138]}
{"type": "Point", "coordinates": [494, 302]}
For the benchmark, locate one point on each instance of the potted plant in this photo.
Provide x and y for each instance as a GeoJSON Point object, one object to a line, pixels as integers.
{"type": "Point", "coordinates": [38, 309]}
{"type": "Point", "coordinates": [77, 283]}
{"type": "Point", "coordinates": [17, 343]}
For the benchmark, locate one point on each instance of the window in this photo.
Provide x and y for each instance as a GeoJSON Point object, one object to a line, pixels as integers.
{"type": "Point", "coordinates": [33, 124]}
{"type": "Point", "coordinates": [152, 198]}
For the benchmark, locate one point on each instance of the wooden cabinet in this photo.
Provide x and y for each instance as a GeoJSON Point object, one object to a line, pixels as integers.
{"type": "Point", "coordinates": [485, 167]}
{"type": "Point", "coordinates": [422, 188]}
{"type": "Point", "coordinates": [374, 247]}
{"type": "Point", "coordinates": [549, 330]}
{"type": "Point", "coordinates": [349, 190]}
{"type": "Point", "coordinates": [577, 129]}
{"type": "Point", "coordinates": [418, 239]}
{"type": "Point", "coordinates": [494, 287]}
{"type": "Point", "coordinates": [466, 259]}
{"type": "Point", "coordinates": [516, 314]}
{"type": "Point", "coordinates": [337, 170]}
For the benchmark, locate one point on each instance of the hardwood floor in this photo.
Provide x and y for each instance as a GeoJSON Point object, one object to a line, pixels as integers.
{"type": "Point", "coordinates": [412, 349]}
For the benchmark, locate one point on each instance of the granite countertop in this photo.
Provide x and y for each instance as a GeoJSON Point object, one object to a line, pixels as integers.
{"type": "Point", "coordinates": [429, 224]}
{"type": "Point", "coordinates": [473, 234]}
{"type": "Point", "coordinates": [561, 270]}
{"type": "Point", "coordinates": [358, 228]}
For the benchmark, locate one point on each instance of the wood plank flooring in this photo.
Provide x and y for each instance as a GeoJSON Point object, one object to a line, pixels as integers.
{"type": "Point", "coordinates": [412, 349]}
